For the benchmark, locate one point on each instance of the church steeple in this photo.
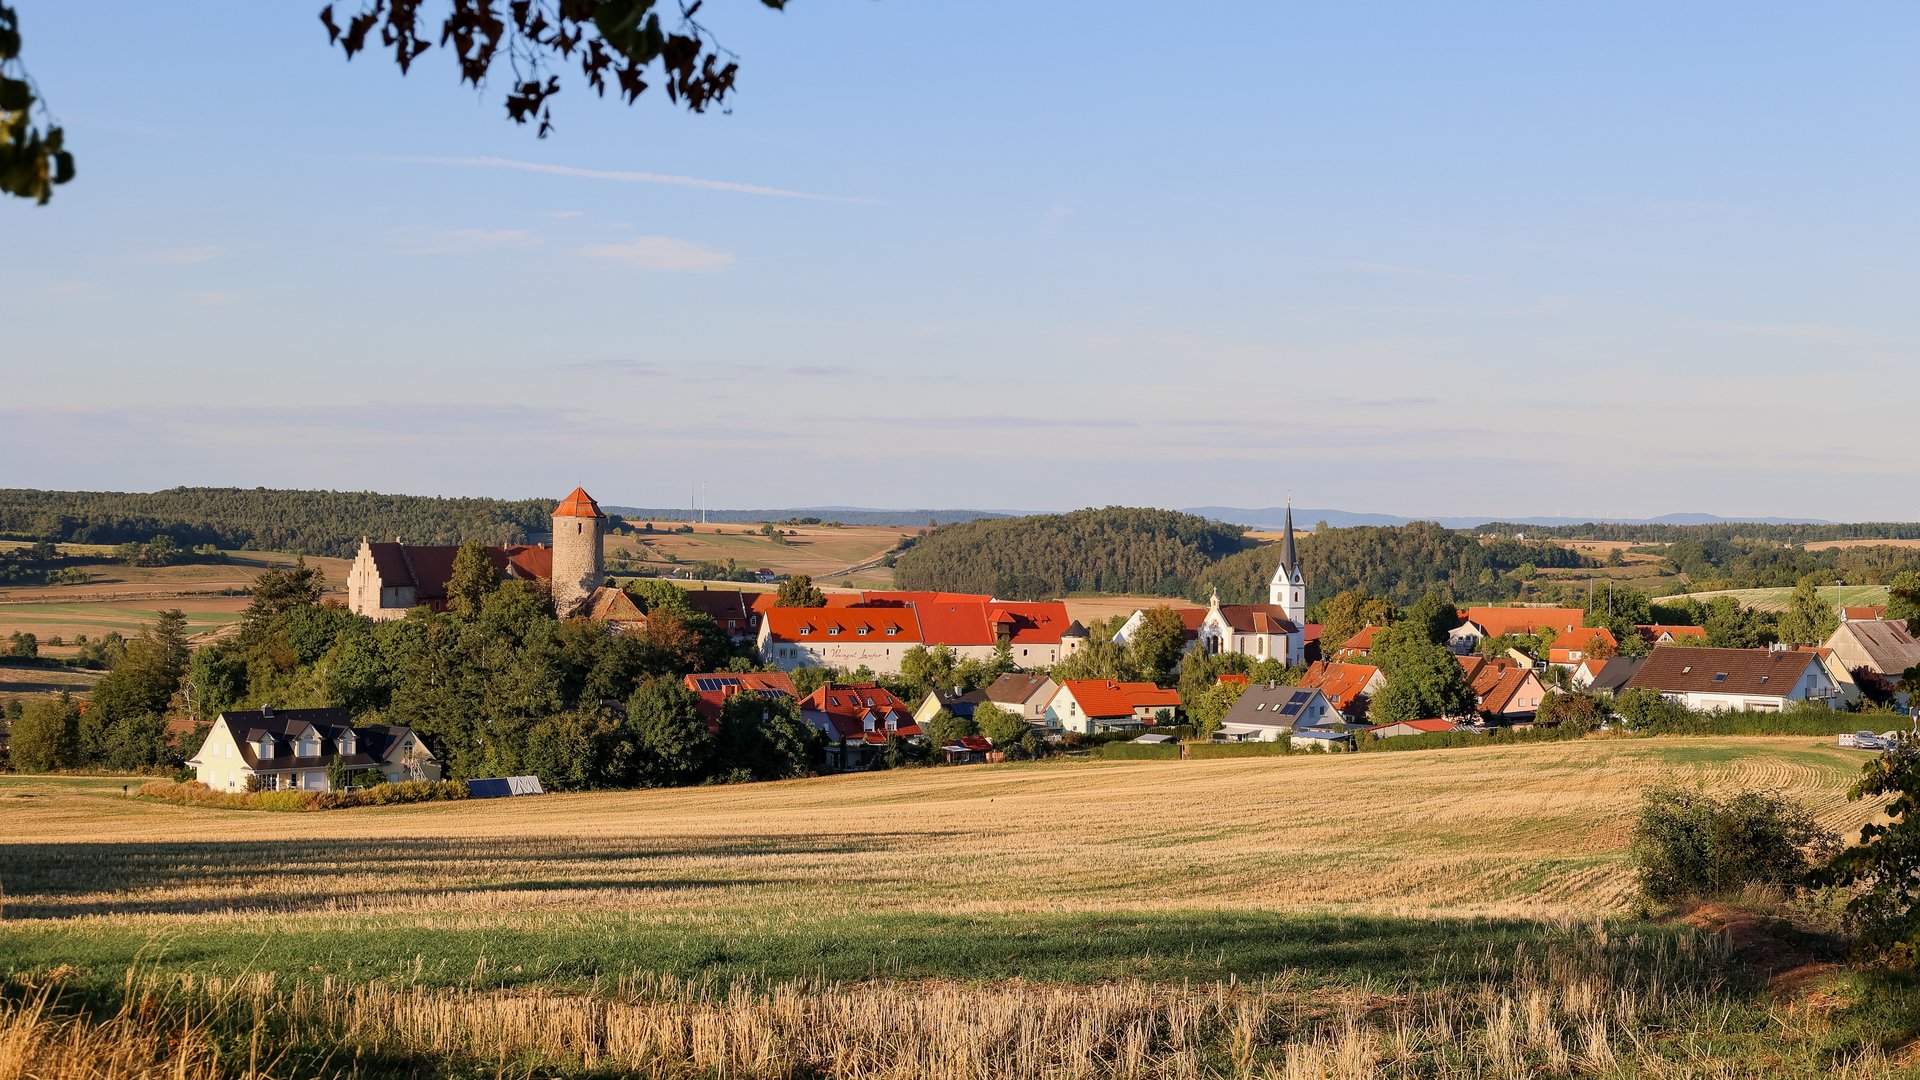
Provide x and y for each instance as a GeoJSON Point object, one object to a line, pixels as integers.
{"type": "Point", "coordinates": [1288, 563]}
{"type": "Point", "coordinates": [1288, 589]}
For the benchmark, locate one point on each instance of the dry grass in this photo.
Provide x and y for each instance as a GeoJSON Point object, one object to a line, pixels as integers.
{"type": "Point", "coordinates": [1824, 545]}
{"type": "Point", "coordinates": [1599, 1007]}
{"type": "Point", "coordinates": [1531, 830]}
{"type": "Point", "coordinates": [816, 550]}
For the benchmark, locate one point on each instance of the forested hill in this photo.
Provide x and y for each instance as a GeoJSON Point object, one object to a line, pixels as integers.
{"type": "Point", "coordinates": [1159, 552]}
{"type": "Point", "coordinates": [308, 522]}
{"type": "Point", "coordinates": [1401, 563]}
{"type": "Point", "coordinates": [1115, 550]}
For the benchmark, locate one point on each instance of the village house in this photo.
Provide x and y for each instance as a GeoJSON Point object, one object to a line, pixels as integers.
{"type": "Point", "coordinates": [1759, 680]}
{"type": "Point", "coordinates": [1609, 676]}
{"type": "Point", "coordinates": [1673, 635]}
{"type": "Point", "coordinates": [1492, 622]}
{"type": "Point", "coordinates": [1347, 686]}
{"type": "Point", "coordinates": [729, 609]}
{"type": "Point", "coordinates": [291, 750]}
{"type": "Point", "coordinates": [1023, 694]}
{"type": "Point", "coordinates": [1095, 706]}
{"type": "Point", "coordinates": [714, 689]}
{"type": "Point", "coordinates": [957, 702]}
{"type": "Point", "coordinates": [1503, 690]}
{"type": "Point", "coordinates": [1878, 651]}
{"type": "Point", "coordinates": [1412, 727]}
{"type": "Point", "coordinates": [878, 631]}
{"type": "Point", "coordinates": [387, 580]}
{"type": "Point", "coordinates": [1572, 646]}
{"type": "Point", "coordinates": [1268, 712]}
{"type": "Point", "coordinates": [1863, 613]}
{"type": "Point", "coordinates": [857, 720]}
{"type": "Point", "coordinates": [1358, 646]}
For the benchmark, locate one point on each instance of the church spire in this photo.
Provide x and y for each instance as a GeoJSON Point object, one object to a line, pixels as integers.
{"type": "Point", "coordinates": [1287, 561]}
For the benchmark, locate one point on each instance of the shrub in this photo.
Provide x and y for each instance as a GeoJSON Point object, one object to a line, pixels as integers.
{"type": "Point", "coordinates": [1126, 751]}
{"type": "Point", "coordinates": [195, 793]}
{"type": "Point", "coordinates": [1689, 845]}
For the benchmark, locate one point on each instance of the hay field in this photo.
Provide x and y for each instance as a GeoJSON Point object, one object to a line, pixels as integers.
{"type": "Point", "coordinates": [1456, 913]}
{"type": "Point", "coordinates": [1776, 599]}
{"type": "Point", "coordinates": [817, 550]}
{"type": "Point", "coordinates": [123, 598]}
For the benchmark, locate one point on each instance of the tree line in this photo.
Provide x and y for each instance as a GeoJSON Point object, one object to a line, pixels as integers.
{"type": "Point", "coordinates": [1111, 550]}
{"type": "Point", "coordinates": [266, 519]}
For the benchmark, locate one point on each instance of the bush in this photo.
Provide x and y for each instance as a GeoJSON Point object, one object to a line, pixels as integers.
{"type": "Point", "coordinates": [1236, 750]}
{"type": "Point", "coordinates": [1689, 845]}
{"type": "Point", "coordinates": [195, 793]}
{"type": "Point", "coordinates": [1126, 751]}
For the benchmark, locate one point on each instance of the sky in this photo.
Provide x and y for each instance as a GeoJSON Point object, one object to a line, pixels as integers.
{"type": "Point", "coordinates": [1424, 259]}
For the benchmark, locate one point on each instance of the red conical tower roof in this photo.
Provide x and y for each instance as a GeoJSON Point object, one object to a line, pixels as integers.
{"type": "Point", "coordinates": [578, 504]}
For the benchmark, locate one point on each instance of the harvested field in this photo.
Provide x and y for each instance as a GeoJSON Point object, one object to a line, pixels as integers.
{"type": "Point", "coordinates": [1443, 914]}
{"type": "Point", "coordinates": [817, 550]}
{"type": "Point", "coordinates": [1776, 599]}
{"type": "Point", "coordinates": [1089, 608]}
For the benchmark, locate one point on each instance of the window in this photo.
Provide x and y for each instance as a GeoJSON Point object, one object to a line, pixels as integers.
{"type": "Point", "coordinates": [892, 630]}
{"type": "Point", "coordinates": [833, 631]}
{"type": "Point", "coordinates": [805, 630]}
{"type": "Point", "coordinates": [863, 631]}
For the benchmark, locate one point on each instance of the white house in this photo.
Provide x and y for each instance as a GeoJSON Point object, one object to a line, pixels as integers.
{"type": "Point", "coordinates": [1760, 680]}
{"type": "Point", "coordinates": [1092, 706]}
{"type": "Point", "coordinates": [290, 750]}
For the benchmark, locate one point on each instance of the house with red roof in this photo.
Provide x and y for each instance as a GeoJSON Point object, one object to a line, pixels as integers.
{"type": "Point", "coordinates": [1655, 634]}
{"type": "Point", "coordinates": [1492, 622]}
{"type": "Point", "coordinates": [1094, 706]}
{"type": "Point", "coordinates": [878, 631]}
{"type": "Point", "coordinates": [857, 720]}
{"type": "Point", "coordinates": [1412, 727]}
{"type": "Point", "coordinates": [1347, 686]}
{"type": "Point", "coordinates": [715, 688]}
{"type": "Point", "coordinates": [1358, 646]}
{"type": "Point", "coordinates": [1502, 688]}
{"type": "Point", "coordinates": [1573, 646]}
{"type": "Point", "coordinates": [1275, 630]}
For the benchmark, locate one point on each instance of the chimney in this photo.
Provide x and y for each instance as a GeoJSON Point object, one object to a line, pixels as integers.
{"type": "Point", "coordinates": [266, 712]}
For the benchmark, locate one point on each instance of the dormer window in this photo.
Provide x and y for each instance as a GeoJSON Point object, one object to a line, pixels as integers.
{"type": "Point", "coordinates": [805, 630]}
{"type": "Point", "coordinates": [863, 631]}
{"type": "Point", "coordinates": [892, 630]}
{"type": "Point", "coordinates": [833, 631]}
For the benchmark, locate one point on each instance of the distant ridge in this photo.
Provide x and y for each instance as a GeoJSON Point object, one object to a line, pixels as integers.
{"type": "Point", "coordinates": [1270, 517]}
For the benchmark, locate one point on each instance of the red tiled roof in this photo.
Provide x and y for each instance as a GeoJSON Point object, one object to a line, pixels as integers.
{"type": "Point", "coordinates": [1497, 621]}
{"type": "Point", "coordinates": [848, 707]}
{"type": "Point", "coordinates": [1342, 683]}
{"type": "Point", "coordinates": [1578, 640]}
{"type": "Point", "coordinates": [1654, 631]}
{"type": "Point", "coordinates": [1107, 698]}
{"type": "Point", "coordinates": [953, 624]}
{"type": "Point", "coordinates": [1240, 680]}
{"type": "Point", "coordinates": [578, 504]}
{"type": "Point", "coordinates": [608, 604]}
{"type": "Point", "coordinates": [713, 688]}
{"type": "Point", "coordinates": [428, 567]}
{"type": "Point", "coordinates": [534, 561]}
{"type": "Point", "coordinates": [1257, 618]}
{"type": "Point", "coordinates": [1419, 725]}
{"type": "Point", "coordinates": [833, 623]}
{"type": "Point", "coordinates": [1361, 642]}
{"type": "Point", "coordinates": [1864, 614]}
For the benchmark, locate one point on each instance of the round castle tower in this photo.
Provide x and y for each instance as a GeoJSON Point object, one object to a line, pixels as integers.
{"type": "Point", "coordinates": [578, 563]}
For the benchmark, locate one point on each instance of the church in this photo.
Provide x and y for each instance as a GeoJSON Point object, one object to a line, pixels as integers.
{"type": "Point", "coordinates": [1275, 630]}
{"type": "Point", "coordinates": [387, 580]}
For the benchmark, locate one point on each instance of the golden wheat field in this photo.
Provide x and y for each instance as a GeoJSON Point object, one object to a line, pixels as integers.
{"type": "Point", "coordinates": [1459, 913]}
{"type": "Point", "coordinates": [1536, 829]}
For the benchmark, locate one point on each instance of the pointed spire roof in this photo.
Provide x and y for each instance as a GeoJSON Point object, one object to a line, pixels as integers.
{"type": "Point", "coordinates": [1288, 561]}
{"type": "Point", "coordinates": [578, 504]}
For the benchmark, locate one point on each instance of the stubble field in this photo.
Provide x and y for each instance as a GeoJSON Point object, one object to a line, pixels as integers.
{"type": "Point", "coordinates": [1382, 914]}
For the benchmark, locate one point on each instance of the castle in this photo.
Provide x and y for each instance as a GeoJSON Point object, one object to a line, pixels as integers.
{"type": "Point", "coordinates": [387, 580]}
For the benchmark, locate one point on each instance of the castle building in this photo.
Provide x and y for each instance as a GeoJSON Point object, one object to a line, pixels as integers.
{"type": "Point", "coordinates": [387, 580]}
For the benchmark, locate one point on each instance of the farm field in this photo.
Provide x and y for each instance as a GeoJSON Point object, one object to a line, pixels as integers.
{"type": "Point", "coordinates": [124, 598]}
{"type": "Point", "coordinates": [1246, 917]}
{"type": "Point", "coordinates": [817, 550]}
{"type": "Point", "coordinates": [1776, 599]}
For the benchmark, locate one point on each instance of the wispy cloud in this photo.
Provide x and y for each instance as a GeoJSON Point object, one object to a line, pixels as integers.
{"type": "Point", "coordinates": [564, 213]}
{"type": "Point", "coordinates": [461, 241]}
{"type": "Point", "coordinates": [630, 177]}
{"type": "Point", "coordinates": [709, 372]}
{"type": "Point", "coordinates": [659, 253]}
{"type": "Point", "coordinates": [178, 256]}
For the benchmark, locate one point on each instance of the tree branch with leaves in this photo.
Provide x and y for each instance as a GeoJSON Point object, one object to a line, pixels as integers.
{"type": "Point", "coordinates": [33, 153]}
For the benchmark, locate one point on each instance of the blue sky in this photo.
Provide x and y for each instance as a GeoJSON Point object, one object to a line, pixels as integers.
{"type": "Point", "coordinates": [1619, 259]}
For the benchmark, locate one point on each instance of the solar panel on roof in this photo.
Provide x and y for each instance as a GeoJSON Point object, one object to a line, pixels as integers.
{"type": "Point", "coordinates": [1290, 708]}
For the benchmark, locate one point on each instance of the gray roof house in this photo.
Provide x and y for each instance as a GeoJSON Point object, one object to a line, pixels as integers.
{"type": "Point", "coordinates": [1614, 677]}
{"type": "Point", "coordinates": [292, 749]}
{"type": "Point", "coordinates": [1267, 711]}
